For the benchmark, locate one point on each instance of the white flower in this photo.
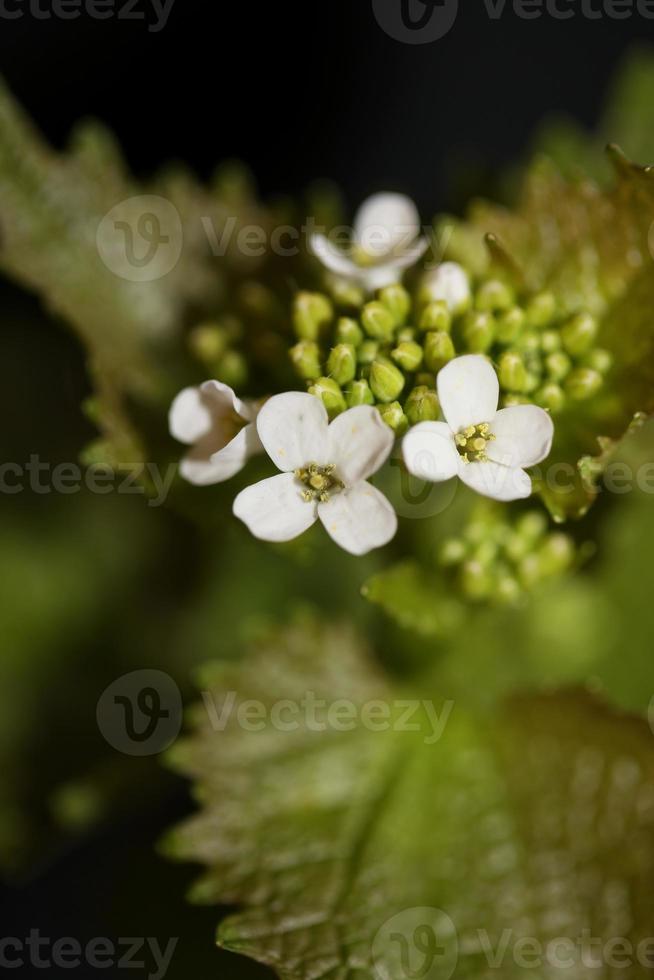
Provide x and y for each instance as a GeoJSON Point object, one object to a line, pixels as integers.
{"type": "Point", "coordinates": [385, 243]}
{"type": "Point", "coordinates": [448, 282]}
{"type": "Point", "coordinates": [324, 470]}
{"type": "Point", "coordinates": [487, 449]}
{"type": "Point", "coordinates": [221, 429]}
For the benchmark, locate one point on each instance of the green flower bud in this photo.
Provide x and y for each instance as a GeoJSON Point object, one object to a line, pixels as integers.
{"type": "Point", "coordinates": [436, 316]}
{"type": "Point", "coordinates": [599, 360]}
{"type": "Point", "coordinates": [439, 349]}
{"type": "Point", "coordinates": [378, 322]}
{"type": "Point", "coordinates": [406, 335]}
{"type": "Point", "coordinates": [556, 555]}
{"type": "Point", "coordinates": [579, 334]}
{"type": "Point", "coordinates": [342, 363]}
{"type": "Point", "coordinates": [452, 552]}
{"type": "Point", "coordinates": [541, 310]}
{"type": "Point", "coordinates": [232, 369]}
{"type": "Point", "coordinates": [422, 405]}
{"type": "Point", "coordinates": [386, 380]}
{"type": "Point", "coordinates": [208, 342]}
{"type": "Point", "coordinates": [494, 296]}
{"type": "Point", "coordinates": [359, 393]}
{"type": "Point", "coordinates": [312, 313]}
{"type": "Point", "coordinates": [583, 383]}
{"type": "Point", "coordinates": [394, 417]}
{"type": "Point", "coordinates": [397, 301]}
{"type": "Point", "coordinates": [408, 355]}
{"type": "Point", "coordinates": [367, 352]}
{"type": "Point", "coordinates": [507, 590]}
{"type": "Point", "coordinates": [512, 372]}
{"type": "Point", "coordinates": [509, 324]}
{"type": "Point", "coordinates": [531, 526]}
{"type": "Point", "coordinates": [551, 396]}
{"type": "Point", "coordinates": [348, 331]}
{"type": "Point", "coordinates": [306, 359]}
{"type": "Point", "coordinates": [479, 332]}
{"type": "Point", "coordinates": [476, 580]}
{"type": "Point", "coordinates": [330, 393]}
{"type": "Point", "coordinates": [345, 294]}
{"type": "Point", "coordinates": [424, 379]}
{"type": "Point", "coordinates": [558, 365]}
{"type": "Point", "coordinates": [550, 341]}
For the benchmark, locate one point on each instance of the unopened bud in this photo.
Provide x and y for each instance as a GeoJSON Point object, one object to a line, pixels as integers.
{"type": "Point", "coordinates": [551, 396]}
{"type": "Point", "coordinates": [348, 331]}
{"type": "Point", "coordinates": [436, 316]}
{"type": "Point", "coordinates": [331, 395]}
{"type": "Point", "coordinates": [439, 349]}
{"type": "Point", "coordinates": [452, 552]}
{"type": "Point", "coordinates": [550, 341]}
{"type": "Point", "coordinates": [378, 322]}
{"type": "Point", "coordinates": [512, 372]}
{"type": "Point", "coordinates": [541, 310]}
{"type": "Point", "coordinates": [509, 324]}
{"type": "Point", "coordinates": [558, 365]}
{"type": "Point", "coordinates": [367, 352]}
{"type": "Point", "coordinates": [583, 383]}
{"type": "Point", "coordinates": [208, 342]}
{"type": "Point", "coordinates": [479, 332]}
{"type": "Point", "coordinates": [359, 393]}
{"type": "Point", "coordinates": [599, 360]}
{"type": "Point", "coordinates": [306, 359]}
{"type": "Point", "coordinates": [397, 301]}
{"type": "Point", "coordinates": [494, 296]}
{"type": "Point", "coordinates": [386, 380]}
{"type": "Point", "coordinates": [556, 555]}
{"type": "Point", "coordinates": [408, 355]}
{"type": "Point", "coordinates": [345, 294]}
{"type": "Point", "coordinates": [406, 335]}
{"type": "Point", "coordinates": [579, 334]}
{"type": "Point", "coordinates": [342, 363]}
{"type": "Point", "coordinates": [394, 417]}
{"type": "Point", "coordinates": [232, 369]}
{"type": "Point", "coordinates": [422, 405]}
{"type": "Point", "coordinates": [312, 313]}
{"type": "Point", "coordinates": [476, 580]}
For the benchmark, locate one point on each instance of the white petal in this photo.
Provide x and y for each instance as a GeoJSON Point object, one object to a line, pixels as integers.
{"type": "Point", "coordinates": [496, 481]}
{"type": "Point", "coordinates": [468, 391]}
{"type": "Point", "coordinates": [386, 223]}
{"type": "Point", "coordinates": [359, 519]}
{"type": "Point", "coordinates": [430, 453]}
{"type": "Point", "coordinates": [206, 468]}
{"type": "Point", "coordinates": [293, 428]}
{"type": "Point", "coordinates": [189, 417]}
{"type": "Point", "coordinates": [390, 271]}
{"type": "Point", "coordinates": [274, 510]}
{"type": "Point", "coordinates": [332, 257]}
{"type": "Point", "coordinates": [219, 397]}
{"type": "Point", "coordinates": [360, 442]}
{"type": "Point", "coordinates": [523, 436]}
{"type": "Point", "coordinates": [449, 282]}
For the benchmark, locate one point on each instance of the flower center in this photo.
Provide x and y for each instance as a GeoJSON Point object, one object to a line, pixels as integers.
{"type": "Point", "coordinates": [320, 482]}
{"type": "Point", "coordinates": [472, 441]}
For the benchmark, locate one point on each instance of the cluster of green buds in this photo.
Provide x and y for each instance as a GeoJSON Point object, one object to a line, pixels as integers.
{"type": "Point", "coordinates": [388, 351]}
{"type": "Point", "coordinates": [498, 559]}
{"type": "Point", "coordinates": [216, 346]}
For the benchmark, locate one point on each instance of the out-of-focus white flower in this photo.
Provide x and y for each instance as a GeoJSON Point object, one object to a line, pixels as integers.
{"type": "Point", "coordinates": [485, 448]}
{"type": "Point", "coordinates": [220, 428]}
{"type": "Point", "coordinates": [450, 283]}
{"type": "Point", "coordinates": [324, 469]}
{"type": "Point", "coordinates": [385, 242]}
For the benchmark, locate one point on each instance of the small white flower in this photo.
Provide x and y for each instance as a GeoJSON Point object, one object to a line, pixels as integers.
{"type": "Point", "coordinates": [324, 472]}
{"type": "Point", "coordinates": [449, 282]}
{"type": "Point", "coordinates": [221, 429]}
{"type": "Point", "coordinates": [385, 243]}
{"type": "Point", "coordinates": [485, 448]}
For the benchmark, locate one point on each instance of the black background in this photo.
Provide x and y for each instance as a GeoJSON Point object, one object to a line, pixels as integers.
{"type": "Point", "coordinates": [298, 90]}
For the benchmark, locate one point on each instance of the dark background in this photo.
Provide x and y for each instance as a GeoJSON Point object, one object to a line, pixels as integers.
{"type": "Point", "coordinates": [298, 91]}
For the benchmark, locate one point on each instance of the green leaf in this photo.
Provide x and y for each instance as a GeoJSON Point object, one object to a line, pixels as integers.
{"type": "Point", "coordinates": [346, 849]}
